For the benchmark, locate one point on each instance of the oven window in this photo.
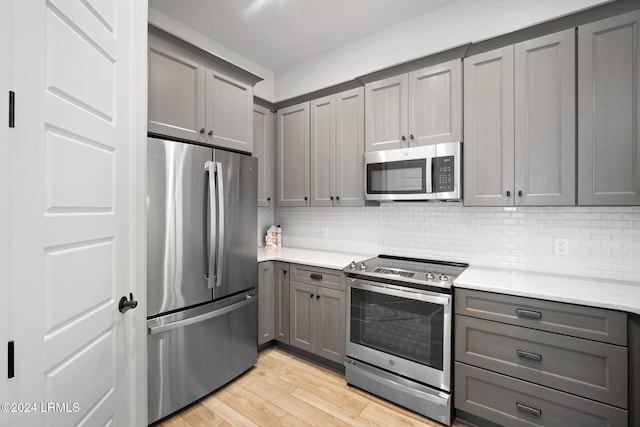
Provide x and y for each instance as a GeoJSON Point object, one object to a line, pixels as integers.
{"type": "Point", "coordinates": [404, 177]}
{"type": "Point", "coordinates": [402, 327]}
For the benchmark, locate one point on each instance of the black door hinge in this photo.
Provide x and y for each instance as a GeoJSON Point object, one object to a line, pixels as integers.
{"type": "Point", "coordinates": [10, 360]}
{"type": "Point", "coordinates": [12, 109]}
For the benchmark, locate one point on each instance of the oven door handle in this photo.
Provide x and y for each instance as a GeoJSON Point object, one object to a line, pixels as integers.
{"type": "Point", "coordinates": [426, 296]}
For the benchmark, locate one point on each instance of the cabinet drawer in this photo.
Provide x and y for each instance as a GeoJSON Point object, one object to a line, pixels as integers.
{"type": "Point", "coordinates": [575, 365]}
{"type": "Point", "coordinates": [325, 277]}
{"type": "Point", "coordinates": [575, 320]}
{"type": "Point", "coordinates": [511, 402]}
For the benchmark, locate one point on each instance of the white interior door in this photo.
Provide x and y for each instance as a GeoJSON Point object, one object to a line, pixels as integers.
{"type": "Point", "coordinates": [72, 214]}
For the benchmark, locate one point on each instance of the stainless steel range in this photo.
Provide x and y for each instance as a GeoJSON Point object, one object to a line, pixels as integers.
{"type": "Point", "coordinates": [399, 331]}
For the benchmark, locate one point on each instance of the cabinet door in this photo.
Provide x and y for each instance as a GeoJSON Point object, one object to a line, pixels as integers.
{"type": "Point", "coordinates": [609, 112]}
{"type": "Point", "coordinates": [263, 149]}
{"type": "Point", "coordinates": [176, 105]}
{"type": "Point", "coordinates": [386, 109]}
{"type": "Point", "coordinates": [488, 129]}
{"type": "Point", "coordinates": [229, 112]}
{"type": "Point", "coordinates": [545, 114]}
{"type": "Point", "coordinates": [435, 104]}
{"type": "Point", "coordinates": [349, 169]}
{"type": "Point", "coordinates": [266, 293]}
{"type": "Point", "coordinates": [281, 302]}
{"type": "Point", "coordinates": [323, 146]}
{"type": "Point", "coordinates": [330, 329]}
{"type": "Point", "coordinates": [302, 327]}
{"type": "Point", "coordinates": [293, 155]}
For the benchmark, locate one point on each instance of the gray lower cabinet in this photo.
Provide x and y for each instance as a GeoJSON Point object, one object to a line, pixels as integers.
{"type": "Point", "coordinates": [337, 146]}
{"type": "Point", "coordinates": [509, 401]}
{"type": "Point", "coordinates": [609, 111]}
{"type": "Point", "coordinates": [273, 302]}
{"type": "Point", "coordinates": [281, 302]}
{"type": "Point", "coordinates": [318, 312]}
{"type": "Point", "coordinates": [519, 124]}
{"type": "Point", "coordinates": [264, 150]}
{"type": "Point", "coordinates": [266, 302]}
{"type": "Point", "coordinates": [526, 362]}
{"type": "Point", "coordinates": [293, 155]}
{"type": "Point", "coordinates": [190, 98]}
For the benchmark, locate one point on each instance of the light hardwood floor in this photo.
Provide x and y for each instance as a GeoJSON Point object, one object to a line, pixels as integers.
{"type": "Point", "coordinates": [286, 390]}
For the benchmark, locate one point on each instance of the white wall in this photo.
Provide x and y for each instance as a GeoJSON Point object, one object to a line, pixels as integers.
{"type": "Point", "coordinates": [452, 25]}
{"type": "Point", "coordinates": [263, 89]}
{"type": "Point", "coordinates": [604, 242]}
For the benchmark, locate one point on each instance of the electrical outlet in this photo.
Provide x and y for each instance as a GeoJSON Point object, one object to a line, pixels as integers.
{"type": "Point", "coordinates": [561, 246]}
{"type": "Point", "coordinates": [325, 232]}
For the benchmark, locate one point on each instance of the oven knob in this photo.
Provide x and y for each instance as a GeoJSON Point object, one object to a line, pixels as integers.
{"type": "Point", "coordinates": [362, 266]}
{"type": "Point", "coordinates": [429, 276]}
{"type": "Point", "coordinates": [352, 265]}
{"type": "Point", "coordinates": [443, 278]}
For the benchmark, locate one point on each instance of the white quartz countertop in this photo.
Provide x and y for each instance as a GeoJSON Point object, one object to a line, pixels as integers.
{"type": "Point", "coordinates": [333, 260]}
{"type": "Point", "coordinates": [615, 295]}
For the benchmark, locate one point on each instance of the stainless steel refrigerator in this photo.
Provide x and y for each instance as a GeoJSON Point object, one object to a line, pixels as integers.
{"type": "Point", "coordinates": [201, 271]}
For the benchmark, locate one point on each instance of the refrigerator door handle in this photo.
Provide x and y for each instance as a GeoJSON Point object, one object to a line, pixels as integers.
{"type": "Point", "coordinates": [220, 205]}
{"type": "Point", "coordinates": [210, 167]}
{"type": "Point", "coordinates": [201, 318]}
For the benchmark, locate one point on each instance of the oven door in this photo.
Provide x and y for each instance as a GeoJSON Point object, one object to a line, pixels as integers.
{"type": "Point", "coordinates": [402, 330]}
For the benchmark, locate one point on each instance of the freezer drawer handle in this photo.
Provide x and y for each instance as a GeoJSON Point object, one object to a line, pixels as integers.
{"type": "Point", "coordinates": [529, 410]}
{"type": "Point", "coordinates": [201, 318]}
{"type": "Point", "coordinates": [528, 314]}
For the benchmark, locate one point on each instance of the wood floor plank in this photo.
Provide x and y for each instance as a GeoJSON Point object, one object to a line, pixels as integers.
{"type": "Point", "coordinates": [286, 390]}
{"type": "Point", "coordinates": [227, 413]}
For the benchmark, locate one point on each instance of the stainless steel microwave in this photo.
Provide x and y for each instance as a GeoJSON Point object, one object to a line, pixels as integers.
{"type": "Point", "coordinates": [430, 172]}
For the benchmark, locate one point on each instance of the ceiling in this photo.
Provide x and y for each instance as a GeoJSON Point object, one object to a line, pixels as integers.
{"type": "Point", "coordinates": [280, 33]}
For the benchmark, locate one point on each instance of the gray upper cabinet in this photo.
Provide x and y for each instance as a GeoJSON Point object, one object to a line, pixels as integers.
{"type": "Point", "coordinates": [293, 155]}
{"type": "Point", "coordinates": [545, 117]}
{"type": "Point", "coordinates": [387, 108]}
{"type": "Point", "coordinates": [264, 149]}
{"type": "Point", "coordinates": [189, 98]}
{"type": "Point", "coordinates": [435, 104]}
{"type": "Point", "coordinates": [520, 124]}
{"type": "Point", "coordinates": [337, 146]}
{"type": "Point", "coordinates": [419, 108]}
{"type": "Point", "coordinates": [176, 94]}
{"type": "Point", "coordinates": [488, 128]}
{"type": "Point", "coordinates": [609, 112]}
{"type": "Point", "coordinates": [229, 112]}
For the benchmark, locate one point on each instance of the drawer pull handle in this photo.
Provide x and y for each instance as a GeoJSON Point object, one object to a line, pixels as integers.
{"type": "Point", "coordinates": [529, 410]}
{"type": "Point", "coordinates": [529, 355]}
{"type": "Point", "coordinates": [528, 314]}
{"type": "Point", "coordinates": [316, 276]}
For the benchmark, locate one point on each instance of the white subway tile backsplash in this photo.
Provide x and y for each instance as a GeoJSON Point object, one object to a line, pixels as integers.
{"type": "Point", "coordinates": [603, 241]}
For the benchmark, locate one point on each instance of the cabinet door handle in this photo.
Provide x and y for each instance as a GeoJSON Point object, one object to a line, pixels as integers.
{"type": "Point", "coordinates": [285, 272]}
{"type": "Point", "coordinates": [306, 198]}
{"type": "Point", "coordinates": [268, 199]}
{"type": "Point", "coordinates": [331, 197]}
{"type": "Point", "coordinates": [317, 296]}
{"type": "Point", "coordinates": [337, 197]}
{"type": "Point", "coordinates": [528, 314]}
{"type": "Point", "coordinates": [519, 193]}
{"type": "Point", "coordinates": [528, 410]}
{"type": "Point", "coordinates": [316, 276]}
{"type": "Point", "coordinates": [508, 193]}
{"type": "Point", "coordinates": [528, 355]}
{"type": "Point", "coordinates": [202, 131]}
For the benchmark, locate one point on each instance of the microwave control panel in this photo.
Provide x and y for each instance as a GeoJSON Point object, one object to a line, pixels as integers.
{"type": "Point", "coordinates": [443, 174]}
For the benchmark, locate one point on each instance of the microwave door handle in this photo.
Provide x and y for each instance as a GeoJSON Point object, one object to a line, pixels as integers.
{"type": "Point", "coordinates": [220, 206]}
{"type": "Point", "coordinates": [429, 175]}
{"type": "Point", "coordinates": [209, 166]}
